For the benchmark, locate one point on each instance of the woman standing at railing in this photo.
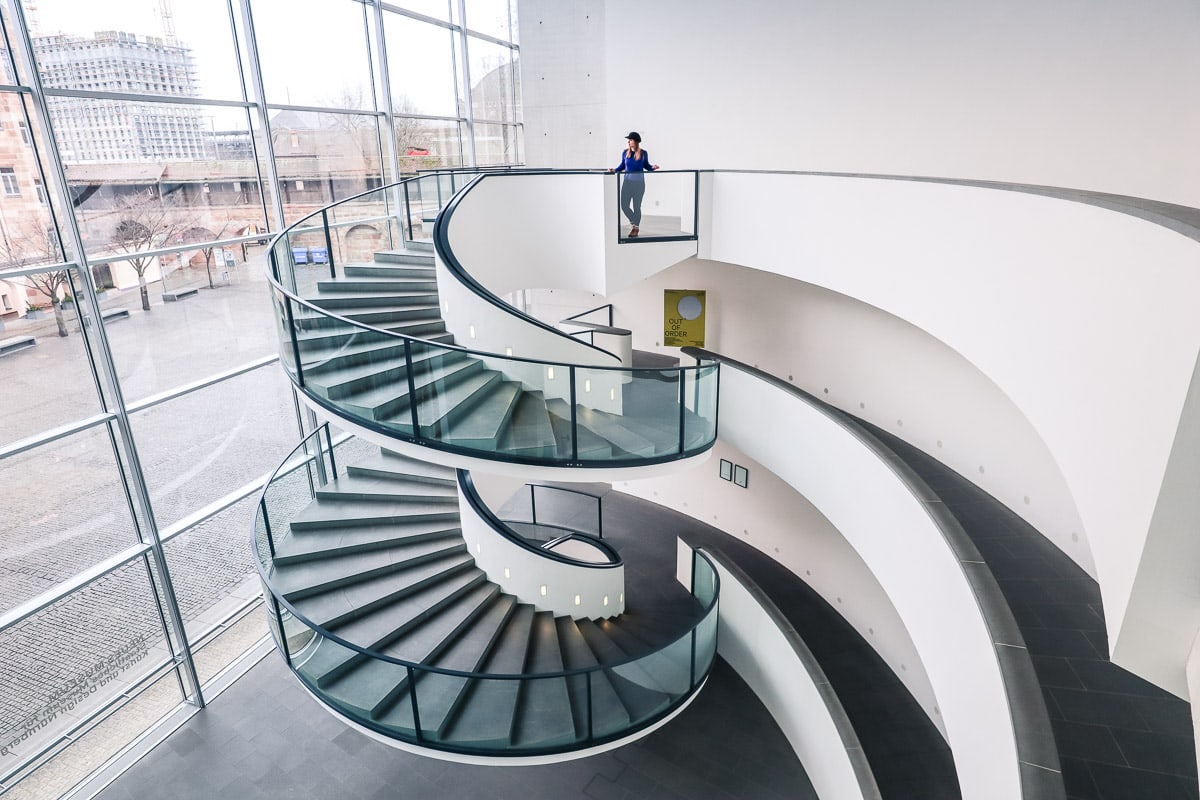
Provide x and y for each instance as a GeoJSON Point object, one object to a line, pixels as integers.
{"type": "Point", "coordinates": [634, 163]}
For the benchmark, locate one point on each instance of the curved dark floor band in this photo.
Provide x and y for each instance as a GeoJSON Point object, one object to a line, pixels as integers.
{"type": "Point", "coordinates": [1119, 737]}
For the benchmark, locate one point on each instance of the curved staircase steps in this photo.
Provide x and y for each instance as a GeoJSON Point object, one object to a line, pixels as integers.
{"type": "Point", "coordinates": [378, 560]}
{"type": "Point", "coordinates": [459, 400]}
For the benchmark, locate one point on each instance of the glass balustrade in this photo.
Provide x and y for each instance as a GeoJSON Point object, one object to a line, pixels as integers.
{"type": "Point", "coordinates": [453, 398]}
{"type": "Point", "coordinates": [468, 711]}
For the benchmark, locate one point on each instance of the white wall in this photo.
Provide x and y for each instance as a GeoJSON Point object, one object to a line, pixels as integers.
{"type": "Point", "coordinates": [771, 516]}
{"type": "Point", "coordinates": [901, 545]}
{"type": "Point", "coordinates": [793, 688]}
{"type": "Point", "coordinates": [881, 369]}
{"type": "Point", "coordinates": [600, 591]}
{"type": "Point", "coordinates": [1091, 94]}
{"type": "Point", "coordinates": [1036, 294]}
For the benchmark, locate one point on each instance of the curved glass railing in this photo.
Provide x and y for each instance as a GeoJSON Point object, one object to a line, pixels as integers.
{"type": "Point", "coordinates": [604, 555]}
{"type": "Point", "coordinates": [437, 394]}
{"type": "Point", "coordinates": [673, 672]}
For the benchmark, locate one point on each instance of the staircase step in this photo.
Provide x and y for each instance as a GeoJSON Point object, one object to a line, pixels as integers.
{"type": "Point", "coordinates": [378, 685]}
{"type": "Point", "coordinates": [440, 696]}
{"type": "Point", "coordinates": [441, 400]}
{"type": "Point", "coordinates": [396, 487]}
{"type": "Point", "coordinates": [338, 513]}
{"type": "Point", "coordinates": [607, 712]}
{"type": "Point", "coordinates": [380, 270]}
{"type": "Point", "coordinates": [310, 578]}
{"type": "Point", "coordinates": [377, 284]}
{"type": "Point", "coordinates": [422, 292]}
{"type": "Point", "coordinates": [373, 630]}
{"type": "Point", "coordinates": [386, 369]}
{"type": "Point", "coordinates": [437, 383]}
{"type": "Point", "coordinates": [638, 690]}
{"type": "Point", "coordinates": [376, 316]}
{"type": "Point", "coordinates": [389, 463]}
{"type": "Point", "coordinates": [529, 431]}
{"type": "Point", "coordinates": [590, 446]}
{"type": "Point", "coordinates": [482, 423]}
{"type": "Point", "coordinates": [610, 428]}
{"type": "Point", "coordinates": [543, 717]}
{"type": "Point", "coordinates": [323, 543]}
{"type": "Point", "coordinates": [484, 717]}
{"type": "Point", "coordinates": [412, 255]}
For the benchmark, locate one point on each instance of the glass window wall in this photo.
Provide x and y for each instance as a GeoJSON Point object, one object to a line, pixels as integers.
{"type": "Point", "coordinates": [148, 152]}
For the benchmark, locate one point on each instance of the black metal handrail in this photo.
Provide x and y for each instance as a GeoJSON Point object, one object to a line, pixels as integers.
{"type": "Point", "coordinates": [321, 456]}
{"type": "Point", "coordinates": [290, 305]}
{"type": "Point", "coordinates": [466, 485]}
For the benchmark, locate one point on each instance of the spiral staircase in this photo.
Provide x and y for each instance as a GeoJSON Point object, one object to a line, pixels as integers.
{"type": "Point", "coordinates": [374, 597]}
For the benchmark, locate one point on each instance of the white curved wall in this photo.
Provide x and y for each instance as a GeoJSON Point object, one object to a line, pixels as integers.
{"type": "Point", "coordinates": [753, 643]}
{"type": "Point", "coordinates": [565, 589]}
{"type": "Point", "coordinates": [1095, 95]}
{"type": "Point", "coordinates": [906, 552]}
{"type": "Point", "coordinates": [773, 517]}
{"type": "Point", "coordinates": [1037, 294]}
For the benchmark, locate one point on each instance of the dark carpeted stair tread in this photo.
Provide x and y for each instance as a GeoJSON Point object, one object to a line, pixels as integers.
{"type": "Point", "coordinates": [611, 428]}
{"type": "Point", "coordinates": [529, 432]}
{"type": "Point", "coordinates": [600, 710]}
{"type": "Point", "coordinates": [590, 445]}
{"type": "Point", "coordinates": [485, 715]}
{"type": "Point", "coordinates": [388, 621]}
{"type": "Point", "coordinates": [543, 717]}
{"type": "Point", "coordinates": [376, 270]}
{"type": "Point", "coordinates": [335, 513]}
{"type": "Point", "coordinates": [310, 544]}
{"type": "Point", "coordinates": [376, 284]}
{"type": "Point", "coordinates": [407, 256]}
{"type": "Point", "coordinates": [483, 422]}
{"type": "Point", "coordinates": [342, 606]}
{"type": "Point", "coordinates": [424, 292]}
{"type": "Point", "coordinates": [307, 578]}
{"type": "Point", "coordinates": [439, 695]}
{"type": "Point", "coordinates": [639, 691]}
{"type": "Point", "coordinates": [396, 487]}
{"type": "Point", "coordinates": [390, 463]}
{"type": "Point", "coordinates": [330, 664]}
{"type": "Point", "coordinates": [436, 413]}
{"type": "Point", "coordinates": [440, 380]}
{"type": "Point", "coordinates": [424, 642]}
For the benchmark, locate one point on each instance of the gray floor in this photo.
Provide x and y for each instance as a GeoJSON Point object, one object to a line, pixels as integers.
{"type": "Point", "coordinates": [266, 737]}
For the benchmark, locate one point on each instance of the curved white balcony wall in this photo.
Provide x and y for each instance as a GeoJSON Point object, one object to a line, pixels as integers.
{"type": "Point", "coordinates": [771, 516]}
{"type": "Point", "coordinates": [883, 370]}
{"type": "Point", "coordinates": [550, 585]}
{"type": "Point", "coordinates": [782, 676]}
{"type": "Point", "coordinates": [514, 232]}
{"type": "Point", "coordinates": [1036, 294]}
{"type": "Point", "coordinates": [1064, 94]}
{"type": "Point", "coordinates": [905, 550]}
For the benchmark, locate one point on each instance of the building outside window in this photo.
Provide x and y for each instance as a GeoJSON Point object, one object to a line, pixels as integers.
{"type": "Point", "coordinates": [132, 454]}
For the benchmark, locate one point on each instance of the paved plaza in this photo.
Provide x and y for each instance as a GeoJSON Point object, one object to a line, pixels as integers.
{"type": "Point", "coordinates": [65, 506]}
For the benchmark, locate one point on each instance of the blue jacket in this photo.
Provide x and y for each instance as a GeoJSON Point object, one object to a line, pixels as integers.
{"type": "Point", "coordinates": [634, 166]}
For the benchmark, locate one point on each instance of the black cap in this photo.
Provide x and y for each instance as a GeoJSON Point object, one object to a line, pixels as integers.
{"type": "Point", "coordinates": [637, 137]}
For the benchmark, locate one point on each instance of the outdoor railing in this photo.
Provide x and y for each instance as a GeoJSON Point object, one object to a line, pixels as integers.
{"type": "Point", "coordinates": [674, 671]}
{"type": "Point", "coordinates": [400, 390]}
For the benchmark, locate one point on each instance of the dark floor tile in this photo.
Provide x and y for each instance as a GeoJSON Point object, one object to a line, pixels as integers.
{"type": "Point", "coordinates": [1061, 642]}
{"type": "Point", "coordinates": [1093, 708]}
{"type": "Point", "coordinates": [1055, 672]}
{"type": "Point", "coordinates": [1157, 752]}
{"type": "Point", "coordinates": [1087, 742]}
{"type": "Point", "coordinates": [1116, 783]}
{"type": "Point", "coordinates": [1105, 676]}
{"type": "Point", "coordinates": [1165, 715]}
{"type": "Point", "coordinates": [1077, 779]}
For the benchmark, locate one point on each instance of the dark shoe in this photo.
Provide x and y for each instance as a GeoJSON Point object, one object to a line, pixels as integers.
{"type": "Point", "coordinates": [633, 231]}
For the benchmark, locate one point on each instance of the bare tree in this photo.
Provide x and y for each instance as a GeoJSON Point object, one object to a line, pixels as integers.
{"type": "Point", "coordinates": [144, 222]}
{"type": "Point", "coordinates": [206, 235]}
{"type": "Point", "coordinates": [37, 243]}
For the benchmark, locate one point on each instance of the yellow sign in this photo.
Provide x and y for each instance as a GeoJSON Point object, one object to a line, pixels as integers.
{"type": "Point", "coordinates": [683, 318]}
